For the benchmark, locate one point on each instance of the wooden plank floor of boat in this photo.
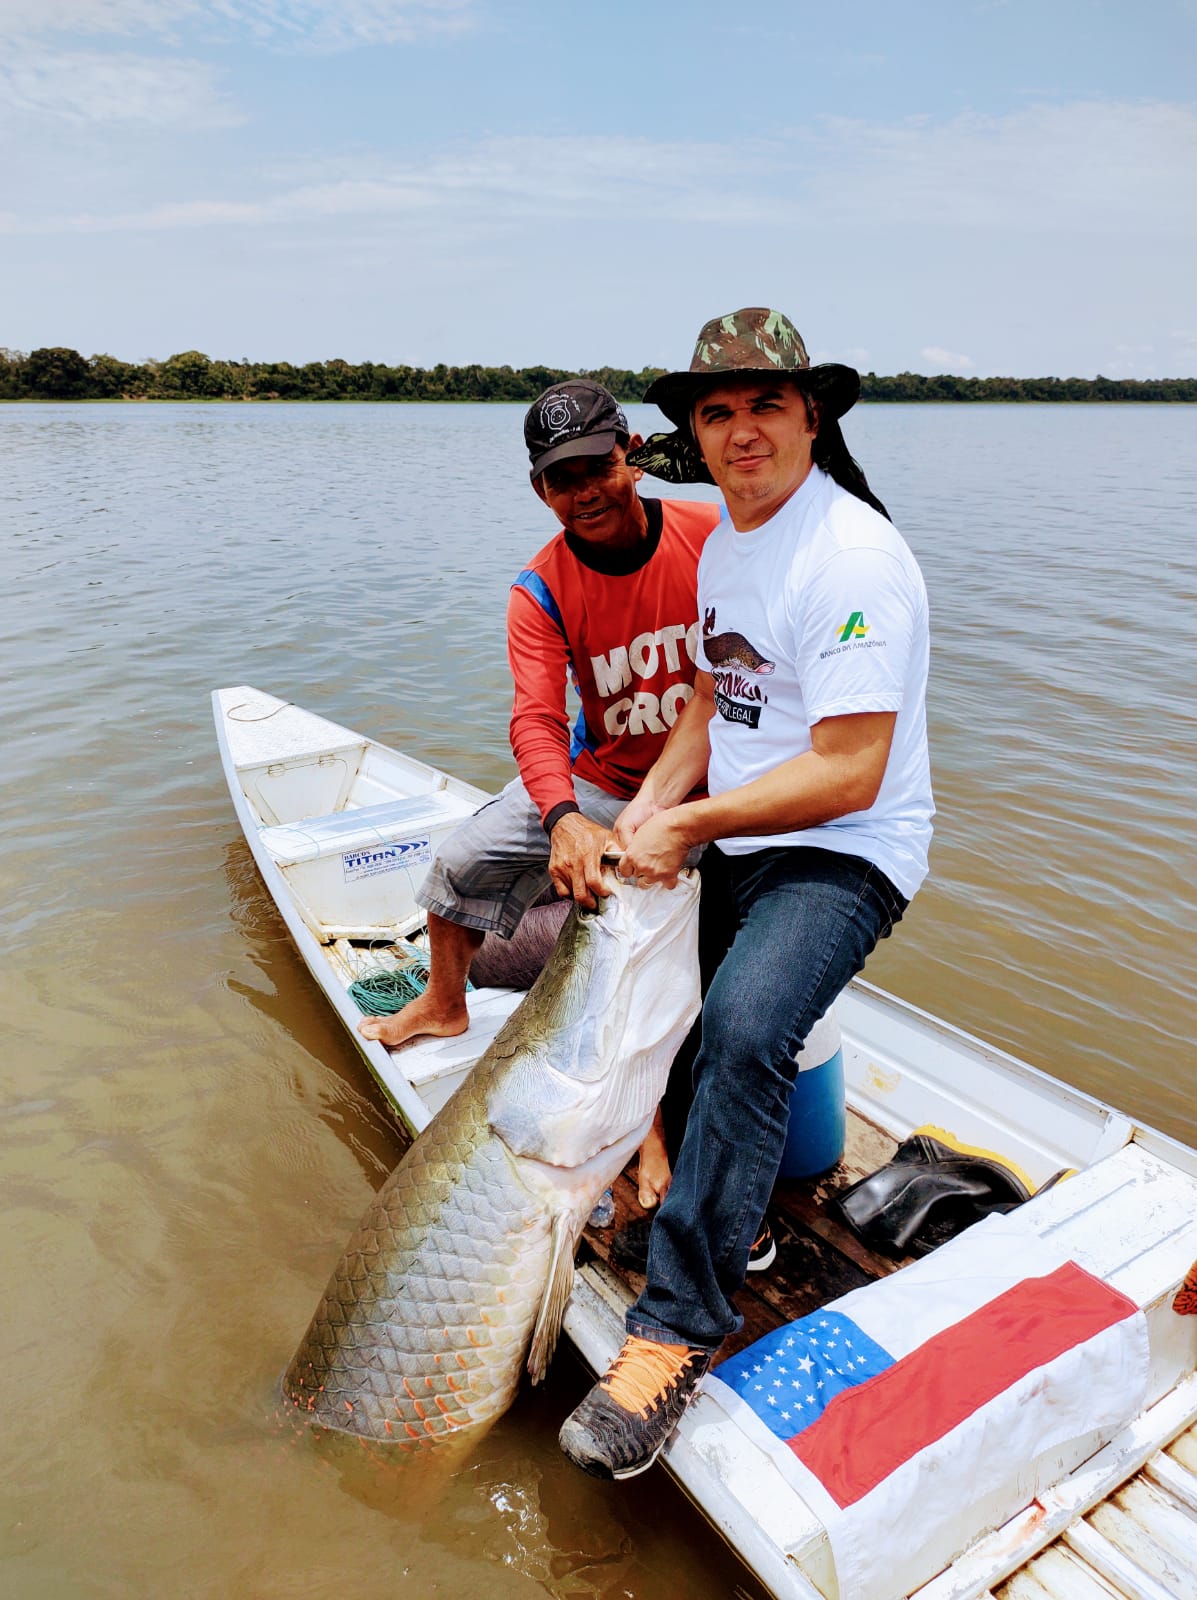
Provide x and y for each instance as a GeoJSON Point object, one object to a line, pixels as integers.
{"type": "Point", "coordinates": [818, 1257]}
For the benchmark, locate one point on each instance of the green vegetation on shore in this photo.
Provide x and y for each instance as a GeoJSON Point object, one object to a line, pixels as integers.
{"type": "Point", "coordinates": [58, 373]}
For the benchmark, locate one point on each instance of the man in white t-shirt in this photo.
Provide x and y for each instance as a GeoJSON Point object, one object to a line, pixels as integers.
{"type": "Point", "coordinates": [809, 724]}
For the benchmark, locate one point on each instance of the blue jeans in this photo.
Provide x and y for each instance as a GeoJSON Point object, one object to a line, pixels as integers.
{"type": "Point", "coordinates": [808, 920]}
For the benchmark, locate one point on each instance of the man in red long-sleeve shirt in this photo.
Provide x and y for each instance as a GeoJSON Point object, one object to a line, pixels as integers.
{"type": "Point", "coordinates": [610, 604]}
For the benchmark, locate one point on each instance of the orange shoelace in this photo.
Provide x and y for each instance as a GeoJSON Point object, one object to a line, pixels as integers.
{"type": "Point", "coordinates": [644, 1371]}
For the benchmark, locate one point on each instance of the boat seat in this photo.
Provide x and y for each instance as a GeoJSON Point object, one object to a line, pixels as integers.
{"type": "Point", "coordinates": [388, 823]}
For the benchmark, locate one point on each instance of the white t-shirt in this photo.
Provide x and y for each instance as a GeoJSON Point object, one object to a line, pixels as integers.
{"type": "Point", "coordinates": [821, 612]}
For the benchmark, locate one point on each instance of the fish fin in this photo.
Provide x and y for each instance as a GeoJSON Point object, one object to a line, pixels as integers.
{"type": "Point", "coordinates": [559, 1285]}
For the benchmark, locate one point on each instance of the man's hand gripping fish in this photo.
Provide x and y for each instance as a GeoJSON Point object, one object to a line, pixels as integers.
{"type": "Point", "coordinates": [463, 1265]}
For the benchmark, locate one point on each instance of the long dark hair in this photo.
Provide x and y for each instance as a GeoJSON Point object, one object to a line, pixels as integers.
{"type": "Point", "coordinates": [831, 453]}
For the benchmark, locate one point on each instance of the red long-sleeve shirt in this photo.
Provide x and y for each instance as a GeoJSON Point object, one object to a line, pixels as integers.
{"type": "Point", "coordinates": [627, 641]}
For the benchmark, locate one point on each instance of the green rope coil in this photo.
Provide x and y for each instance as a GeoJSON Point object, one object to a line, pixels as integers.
{"type": "Point", "coordinates": [388, 989]}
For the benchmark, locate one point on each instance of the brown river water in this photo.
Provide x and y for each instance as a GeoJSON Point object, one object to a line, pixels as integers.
{"type": "Point", "coordinates": [187, 1137]}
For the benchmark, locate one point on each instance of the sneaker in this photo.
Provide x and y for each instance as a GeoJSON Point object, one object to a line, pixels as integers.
{"type": "Point", "coordinates": [764, 1250]}
{"type": "Point", "coordinates": [625, 1421]}
{"type": "Point", "coordinates": [629, 1247]}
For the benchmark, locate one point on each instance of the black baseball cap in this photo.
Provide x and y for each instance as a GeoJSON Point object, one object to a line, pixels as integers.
{"type": "Point", "coordinates": [576, 418]}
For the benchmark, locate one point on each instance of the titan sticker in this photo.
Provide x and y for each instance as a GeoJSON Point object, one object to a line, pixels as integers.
{"type": "Point", "coordinates": [373, 861]}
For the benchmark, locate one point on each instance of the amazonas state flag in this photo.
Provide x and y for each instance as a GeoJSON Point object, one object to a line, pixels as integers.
{"type": "Point", "coordinates": [897, 1408]}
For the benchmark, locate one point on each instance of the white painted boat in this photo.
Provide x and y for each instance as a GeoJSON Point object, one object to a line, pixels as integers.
{"type": "Point", "coordinates": [342, 829]}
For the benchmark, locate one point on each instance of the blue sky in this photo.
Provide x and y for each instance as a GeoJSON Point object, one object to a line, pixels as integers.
{"type": "Point", "coordinates": [977, 186]}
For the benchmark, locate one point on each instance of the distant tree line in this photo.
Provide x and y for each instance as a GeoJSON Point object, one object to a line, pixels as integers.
{"type": "Point", "coordinates": [58, 373]}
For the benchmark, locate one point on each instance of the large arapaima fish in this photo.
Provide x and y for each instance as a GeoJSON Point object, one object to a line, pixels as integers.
{"type": "Point", "coordinates": [460, 1272]}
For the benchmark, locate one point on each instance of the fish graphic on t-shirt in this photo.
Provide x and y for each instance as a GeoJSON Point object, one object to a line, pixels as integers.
{"type": "Point", "coordinates": [731, 649]}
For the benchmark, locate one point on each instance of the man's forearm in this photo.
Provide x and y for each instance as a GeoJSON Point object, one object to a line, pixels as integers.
{"type": "Point", "coordinates": [682, 764]}
{"type": "Point", "coordinates": [813, 788]}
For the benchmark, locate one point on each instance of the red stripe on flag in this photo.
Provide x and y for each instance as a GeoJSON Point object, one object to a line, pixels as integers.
{"type": "Point", "coordinates": [867, 1432]}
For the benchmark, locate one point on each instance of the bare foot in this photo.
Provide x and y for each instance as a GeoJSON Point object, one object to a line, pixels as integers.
{"type": "Point", "coordinates": [419, 1016]}
{"type": "Point", "coordinates": [653, 1174]}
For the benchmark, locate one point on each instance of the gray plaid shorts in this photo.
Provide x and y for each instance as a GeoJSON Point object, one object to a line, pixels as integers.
{"type": "Point", "coordinates": [488, 872]}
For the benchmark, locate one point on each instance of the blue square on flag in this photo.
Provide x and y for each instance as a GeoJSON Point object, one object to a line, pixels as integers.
{"type": "Point", "coordinates": [789, 1377]}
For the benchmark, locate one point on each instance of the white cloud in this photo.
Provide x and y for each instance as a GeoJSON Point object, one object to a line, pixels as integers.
{"type": "Point", "coordinates": [1131, 361]}
{"type": "Point", "coordinates": [499, 179]}
{"type": "Point", "coordinates": [315, 24]}
{"type": "Point", "coordinates": [1088, 166]}
{"type": "Point", "coordinates": [1089, 174]}
{"type": "Point", "coordinates": [946, 360]}
{"type": "Point", "coordinates": [341, 24]}
{"type": "Point", "coordinates": [852, 355]}
{"type": "Point", "coordinates": [28, 19]}
{"type": "Point", "coordinates": [171, 88]}
{"type": "Point", "coordinates": [87, 86]}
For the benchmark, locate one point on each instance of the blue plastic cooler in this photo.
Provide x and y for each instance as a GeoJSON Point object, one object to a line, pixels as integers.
{"type": "Point", "coordinates": [815, 1137]}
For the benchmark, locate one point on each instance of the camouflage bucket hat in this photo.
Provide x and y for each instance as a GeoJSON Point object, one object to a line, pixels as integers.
{"type": "Point", "coordinates": [753, 340]}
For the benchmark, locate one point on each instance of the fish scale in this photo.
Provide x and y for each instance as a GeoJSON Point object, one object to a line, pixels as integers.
{"type": "Point", "coordinates": [419, 1378]}
{"type": "Point", "coordinates": [464, 1258]}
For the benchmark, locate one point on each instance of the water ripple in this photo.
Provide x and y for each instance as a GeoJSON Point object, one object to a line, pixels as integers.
{"type": "Point", "coordinates": [189, 1135]}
